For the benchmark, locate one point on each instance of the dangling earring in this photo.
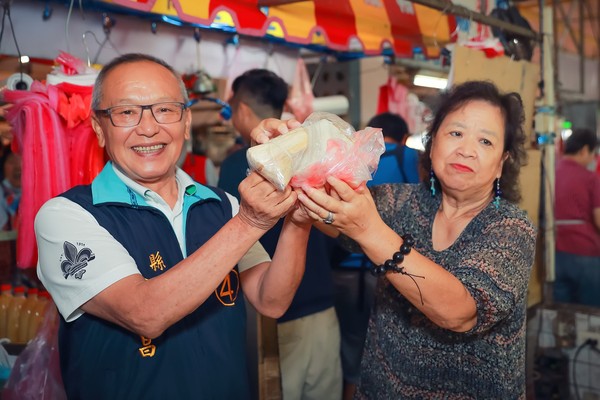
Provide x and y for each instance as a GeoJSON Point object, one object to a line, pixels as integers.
{"type": "Point", "coordinates": [432, 180]}
{"type": "Point", "coordinates": [498, 194]}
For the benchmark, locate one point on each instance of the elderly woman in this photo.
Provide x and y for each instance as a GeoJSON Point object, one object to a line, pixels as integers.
{"type": "Point", "coordinates": [453, 254]}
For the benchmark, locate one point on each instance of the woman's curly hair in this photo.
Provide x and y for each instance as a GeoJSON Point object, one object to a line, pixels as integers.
{"type": "Point", "coordinates": [511, 106]}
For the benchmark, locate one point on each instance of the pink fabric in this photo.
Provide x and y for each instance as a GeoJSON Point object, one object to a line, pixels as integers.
{"type": "Point", "coordinates": [382, 100]}
{"type": "Point", "coordinates": [300, 99]}
{"type": "Point", "coordinates": [58, 147]}
{"type": "Point", "coordinates": [577, 193]}
{"type": "Point", "coordinates": [397, 93]}
{"type": "Point", "coordinates": [40, 140]}
{"type": "Point", "coordinates": [73, 105]}
{"type": "Point", "coordinates": [396, 98]}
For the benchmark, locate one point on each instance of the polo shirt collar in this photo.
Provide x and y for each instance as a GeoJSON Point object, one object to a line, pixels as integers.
{"type": "Point", "coordinates": [113, 186]}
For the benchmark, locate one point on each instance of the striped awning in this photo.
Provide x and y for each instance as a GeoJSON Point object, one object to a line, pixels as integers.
{"type": "Point", "coordinates": [371, 27]}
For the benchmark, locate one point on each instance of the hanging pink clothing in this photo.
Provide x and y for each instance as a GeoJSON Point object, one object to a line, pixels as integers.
{"type": "Point", "coordinates": [53, 135]}
{"type": "Point", "coordinates": [72, 103]}
{"type": "Point", "coordinates": [301, 98]}
{"type": "Point", "coordinates": [396, 98]}
{"type": "Point", "coordinates": [39, 139]}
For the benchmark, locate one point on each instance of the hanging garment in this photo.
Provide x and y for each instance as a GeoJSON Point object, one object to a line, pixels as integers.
{"type": "Point", "coordinates": [396, 98]}
{"type": "Point", "coordinates": [39, 139]}
{"type": "Point", "coordinates": [58, 148]}
{"type": "Point", "coordinates": [301, 97]}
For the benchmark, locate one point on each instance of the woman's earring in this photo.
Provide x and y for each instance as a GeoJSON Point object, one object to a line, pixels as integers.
{"type": "Point", "coordinates": [432, 180]}
{"type": "Point", "coordinates": [498, 194]}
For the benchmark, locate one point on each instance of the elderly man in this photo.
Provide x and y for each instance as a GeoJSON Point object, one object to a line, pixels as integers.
{"type": "Point", "coordinates": [147, 267]}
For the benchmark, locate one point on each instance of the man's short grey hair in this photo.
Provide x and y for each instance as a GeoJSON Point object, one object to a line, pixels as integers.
{"type": "Point", "coordinates": [131, 58]}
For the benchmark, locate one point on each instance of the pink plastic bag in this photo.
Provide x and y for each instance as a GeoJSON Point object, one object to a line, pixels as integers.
{"type": "Point", "coordinates": [325, 145]}
{"type": "Point", "coordinates": [300, 98]}
{"type": "Point", "coordinates": [36, 373]}
{"type": "Point", "coordinates": [353, 163]}
{"type": "Point", "coordinates": [68, 64]}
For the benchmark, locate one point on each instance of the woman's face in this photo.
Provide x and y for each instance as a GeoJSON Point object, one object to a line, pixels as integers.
{"type": "Point", "coordinates": [467, 152]}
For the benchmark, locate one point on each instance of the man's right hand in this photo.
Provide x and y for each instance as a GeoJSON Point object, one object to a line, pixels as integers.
{"type": "Point", "coordinates": [262, 205]}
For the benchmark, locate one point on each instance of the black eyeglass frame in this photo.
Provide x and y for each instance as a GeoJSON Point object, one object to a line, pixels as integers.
{"type": "Point", "coordinates": [107, 112]}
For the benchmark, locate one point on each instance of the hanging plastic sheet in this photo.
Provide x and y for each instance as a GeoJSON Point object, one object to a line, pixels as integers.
{"type": "Point", "coordinates": [36, 374]}
{"type": "Point", "coordinates": [301, 98]}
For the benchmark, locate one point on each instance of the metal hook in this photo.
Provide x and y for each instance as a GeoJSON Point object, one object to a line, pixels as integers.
{"type": "Point", "coordinates": [87, 50]}
{"type": "Point", "coordinates": [317, 73]}
{"type": "Point", "coordinates": [270, 51]}
{"type": "Point", "coordinates": [100, 44]}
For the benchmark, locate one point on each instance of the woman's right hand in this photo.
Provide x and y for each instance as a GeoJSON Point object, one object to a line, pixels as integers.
{"type": "Point", "coordinates": [270, 128]}
{"type": "Point", "coordinates": [354, 211]}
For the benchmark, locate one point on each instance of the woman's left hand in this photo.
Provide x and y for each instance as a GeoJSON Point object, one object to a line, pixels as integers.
{"type": "Point", "coordinates": [353, 211]}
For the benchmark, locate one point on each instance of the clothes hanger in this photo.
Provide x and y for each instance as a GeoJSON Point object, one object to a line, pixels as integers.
{"type": "Point", "coordinates": [107, 24]}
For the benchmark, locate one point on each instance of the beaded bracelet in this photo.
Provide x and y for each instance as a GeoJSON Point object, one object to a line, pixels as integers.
{"type": "Point", "coordinates": [397, 258]}
{"type": "Point", "coordinates": [391, 265]}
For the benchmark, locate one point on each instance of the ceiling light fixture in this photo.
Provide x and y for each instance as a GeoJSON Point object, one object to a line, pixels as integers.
{"type": "Point", "coordinates": [430, 81]}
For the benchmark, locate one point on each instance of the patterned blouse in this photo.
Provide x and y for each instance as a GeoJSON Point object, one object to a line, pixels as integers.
{"type": "Point", "coordinates": [407, 356]}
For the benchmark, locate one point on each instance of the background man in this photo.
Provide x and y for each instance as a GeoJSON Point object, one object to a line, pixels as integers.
{"type": "Point", "coordinates": [308, 333]}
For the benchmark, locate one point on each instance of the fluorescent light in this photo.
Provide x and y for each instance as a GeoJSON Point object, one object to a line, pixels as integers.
{"type": "Point", "coordinates": [430, 81]}
{"type": "Point", "coordinates": [415, 141]}
{"type": "Point", "coordinates": [24, 59]}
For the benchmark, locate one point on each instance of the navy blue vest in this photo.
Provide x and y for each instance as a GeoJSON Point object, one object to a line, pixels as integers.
{"type": "Point", "coordinates": [200, 357]}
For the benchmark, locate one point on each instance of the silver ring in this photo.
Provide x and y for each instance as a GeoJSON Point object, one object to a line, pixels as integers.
{"type": "Point", "coordinates": [329, 219]}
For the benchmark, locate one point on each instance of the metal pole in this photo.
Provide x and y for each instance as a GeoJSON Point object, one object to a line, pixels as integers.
{"type": "Point", "coordinates": [547, 120]}
{"type": "Point", "coordinates": [464, 12]}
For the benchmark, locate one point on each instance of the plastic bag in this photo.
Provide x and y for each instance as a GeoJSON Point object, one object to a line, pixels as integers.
{"type": "Point", "coordinates": [36, 372]}
{"type": "Point", "coordinates": [301, 97]}
{"type": "Point", "coordinates": [5, 364]}
{"type": "Point", "coordinates": [325, 145]}
{"type": "Point", "coordinates": [68, 64]}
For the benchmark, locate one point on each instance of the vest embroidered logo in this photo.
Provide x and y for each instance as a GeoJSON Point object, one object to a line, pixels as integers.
{"type": "Point", "coordinates": [228, 290]}
{"type": "Point", "coordinates": [73, 261]}
{"type": "Point", "coordinates": [157, 262]}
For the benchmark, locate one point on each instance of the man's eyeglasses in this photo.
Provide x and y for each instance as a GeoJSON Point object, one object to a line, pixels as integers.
{"type": "Point", "coordinates": [131, 115]}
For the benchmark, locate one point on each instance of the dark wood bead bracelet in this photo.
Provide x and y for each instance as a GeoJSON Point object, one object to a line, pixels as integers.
{"type": "Point", "coordinates": [393, 264]}
{"type": "Point", "coordinates": [398, 258]}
